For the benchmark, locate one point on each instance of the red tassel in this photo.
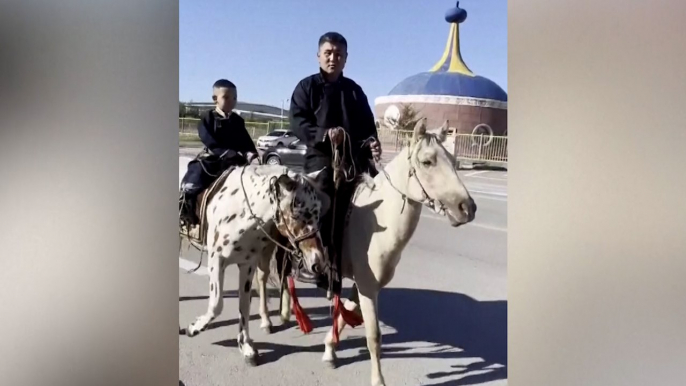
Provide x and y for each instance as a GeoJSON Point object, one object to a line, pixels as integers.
{"type": "Point", "coordinates": [350, 317]}
{"type": "Point", "coordinates": [300, 316]}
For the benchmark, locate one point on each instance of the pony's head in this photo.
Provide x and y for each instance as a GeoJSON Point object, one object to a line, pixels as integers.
{"type": "Point", "coordinates": [300, 204]}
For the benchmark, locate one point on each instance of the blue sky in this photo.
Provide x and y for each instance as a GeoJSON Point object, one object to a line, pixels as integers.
{"type": "Point", "coordinates": [267, 46]}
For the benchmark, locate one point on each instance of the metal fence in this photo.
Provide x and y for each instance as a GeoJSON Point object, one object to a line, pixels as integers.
{"type": "Point", "coordinates": [481, 148]}
{"type": "Point", "coordinates": [189, 127]}
{"type": "Point", "coordinates": [465, 147]}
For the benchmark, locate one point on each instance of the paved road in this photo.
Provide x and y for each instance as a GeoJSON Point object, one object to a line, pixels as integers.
{"type": "Point", "coordinates": [444, 315]}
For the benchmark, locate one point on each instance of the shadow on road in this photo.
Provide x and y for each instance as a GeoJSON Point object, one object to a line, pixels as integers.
{"type": "Point", "coordinates": [448, 320]}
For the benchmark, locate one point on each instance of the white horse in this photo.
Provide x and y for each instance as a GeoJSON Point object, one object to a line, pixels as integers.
{"type": "Point", "coordinates": [247, 209]}
{"type": "Point", "coordinates": [386, 212]}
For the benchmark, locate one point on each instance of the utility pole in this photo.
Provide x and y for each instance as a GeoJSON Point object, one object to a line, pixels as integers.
{"type": "Point", "coordinates": [283, 101]}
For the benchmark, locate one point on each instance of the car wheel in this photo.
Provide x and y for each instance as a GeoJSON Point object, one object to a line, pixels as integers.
{"type": "Point", "coordinates": [280, 144]}
{"type": "Point", "coordinates": [273, 160]}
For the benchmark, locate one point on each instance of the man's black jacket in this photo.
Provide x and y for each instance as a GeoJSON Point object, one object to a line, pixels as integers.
{"type": "Point", "coordinates": [318, 105]}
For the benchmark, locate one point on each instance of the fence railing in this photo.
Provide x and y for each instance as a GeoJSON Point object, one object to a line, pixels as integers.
{"type": "Point", "coordinates": [189, 127]}
{"type": "Point", "coordinates": [465, 147]}
{"type": "Point", "coordinates": [481, 148]}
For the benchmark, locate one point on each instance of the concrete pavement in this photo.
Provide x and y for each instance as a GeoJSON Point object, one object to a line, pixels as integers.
{"type": "Point", "coordinates": [443, 317]}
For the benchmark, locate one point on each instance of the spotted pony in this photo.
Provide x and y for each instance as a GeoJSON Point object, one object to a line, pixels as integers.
{"type": "Point", "coordinates": [253, 207]}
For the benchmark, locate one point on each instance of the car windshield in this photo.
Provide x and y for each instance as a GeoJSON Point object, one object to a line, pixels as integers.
{"type": "Point", "coordinates": [276, 133]}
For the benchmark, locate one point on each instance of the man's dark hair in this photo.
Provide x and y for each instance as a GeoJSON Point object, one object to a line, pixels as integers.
{"type": "Point", "coordinates": [223, 83]}
{"type": "Point", "coordinates": [333, 38]}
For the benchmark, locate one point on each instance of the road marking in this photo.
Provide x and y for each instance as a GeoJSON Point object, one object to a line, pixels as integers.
{"type": "Point", "coordinates": [488, 178]}
{"type": "Point", "coordinates": [187, 265]}
{"type": "Point", "coordinates": [492, 193]}
{"type": "Point", "coordinates": [476, 173]}
{"type": "Point", "coordinates": [489, 227]}
{"type": "Point", "coordinates": [486, 197]}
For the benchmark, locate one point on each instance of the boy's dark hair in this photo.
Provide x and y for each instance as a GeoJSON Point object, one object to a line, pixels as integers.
{"type": "Point", "coordinates": [223, 83]}
{"type": "Point", "coordinates": [333, 38]}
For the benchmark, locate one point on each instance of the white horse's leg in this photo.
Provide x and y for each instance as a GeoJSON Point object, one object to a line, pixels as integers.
{"type": "Point", "coordinates": [369, 307]}
{"type": "Point", "coordinates": [245, 277]}
{"type": "Point", "coordinates": [262, 277]}
{"type": "Point", "coordinates": [216, 300]}
{"type": "Point", "coordinates": [352, 304]}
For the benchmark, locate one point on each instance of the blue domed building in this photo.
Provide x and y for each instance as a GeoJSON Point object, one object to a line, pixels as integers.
{"type": "Point", "coordinates": [450, 91]}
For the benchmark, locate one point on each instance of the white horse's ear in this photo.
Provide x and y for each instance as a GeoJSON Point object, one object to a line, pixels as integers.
{"type": "Point", "coordinates": [442, 132]}
{"type": "Point", "coordinates": [419, 130]}
{"type": "Point", "coordinates": [316, 178]}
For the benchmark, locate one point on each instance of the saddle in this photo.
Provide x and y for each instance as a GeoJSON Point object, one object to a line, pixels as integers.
{"type": "Point", "coordinates": [198, 233]}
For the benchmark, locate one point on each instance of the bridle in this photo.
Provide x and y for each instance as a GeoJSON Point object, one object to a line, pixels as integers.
{"type": "Point", "coordinates": [427, 200]}
{"type": "Point", "coordinates": [279, 221]}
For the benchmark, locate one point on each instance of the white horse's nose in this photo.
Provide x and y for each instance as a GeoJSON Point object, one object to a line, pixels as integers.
{"type": "Point", "coordinates": [468, 208]}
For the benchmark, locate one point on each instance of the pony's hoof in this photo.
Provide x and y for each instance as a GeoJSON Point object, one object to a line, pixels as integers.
{"type": "Point", "coordinates": [182, 331]}
{"type": "Point", "coordinates": [251, 360]}
{"type": "Point", "coordinates": [332, 364]}
{"type": "Point", "coordinates": [267, 329]}
{"type": "Point", "coordinates": [190, 332]}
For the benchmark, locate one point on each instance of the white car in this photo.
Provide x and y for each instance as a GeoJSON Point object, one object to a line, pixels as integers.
{"type": "Point", "coordinates": [276, 138]}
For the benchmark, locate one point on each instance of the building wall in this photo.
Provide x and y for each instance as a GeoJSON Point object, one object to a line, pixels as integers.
{"type": "Point", "coordinates": [462, 117]}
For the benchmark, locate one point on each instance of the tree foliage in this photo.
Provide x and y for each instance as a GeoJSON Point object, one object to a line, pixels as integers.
{"type": "Point", "coordinates": [406, 120]}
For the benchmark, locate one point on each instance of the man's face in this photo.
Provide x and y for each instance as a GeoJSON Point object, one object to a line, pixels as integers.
{"type": "Point", "coordinates": [332, 58]}
{"type": "Point", "coordinates": [225, 98]}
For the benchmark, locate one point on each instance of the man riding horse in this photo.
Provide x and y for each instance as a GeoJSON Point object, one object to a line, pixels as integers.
{"type": "Point", "coordinates": [330, 114]}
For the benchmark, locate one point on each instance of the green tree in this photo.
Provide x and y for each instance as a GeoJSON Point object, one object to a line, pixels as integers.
{"type": "Point", "coordinates": [406, 120]}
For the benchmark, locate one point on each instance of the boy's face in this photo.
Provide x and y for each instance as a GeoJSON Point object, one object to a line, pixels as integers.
{"type": "Point", "coordinates": [225, 98]}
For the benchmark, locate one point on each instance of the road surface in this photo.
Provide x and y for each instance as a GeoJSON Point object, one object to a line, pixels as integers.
{"type": "Point", "coordinates": [443, 317]}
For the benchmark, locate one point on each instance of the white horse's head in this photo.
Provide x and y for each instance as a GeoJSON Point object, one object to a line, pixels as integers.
{"type": "Point", "coordinates": [434, 179]}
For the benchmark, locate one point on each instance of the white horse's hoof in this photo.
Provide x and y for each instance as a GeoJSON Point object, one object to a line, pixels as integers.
{"type": "Point", "coordinates": [267, 329]}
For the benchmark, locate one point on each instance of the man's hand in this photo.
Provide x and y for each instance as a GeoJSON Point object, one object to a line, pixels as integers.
{"type": "Point", "coordinates": [250, 156]}
{"type": "Point", "coordinates": [376, 150]}
{"type": "Point", "coordinates": [336, 135]}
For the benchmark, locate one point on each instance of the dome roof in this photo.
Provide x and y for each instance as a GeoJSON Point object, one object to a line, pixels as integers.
{"type": "Point", "coordinates": [450, 76]}
{"type": "Point", "coordinates": [447, 83]}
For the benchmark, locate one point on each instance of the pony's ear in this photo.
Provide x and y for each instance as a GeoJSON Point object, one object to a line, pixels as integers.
{"type": "Point", "coordinates": [442, 132]}
{"type": "Point", "coordinates": [285, 184]}
{"type": "Point", "coordinates": [419, 130]}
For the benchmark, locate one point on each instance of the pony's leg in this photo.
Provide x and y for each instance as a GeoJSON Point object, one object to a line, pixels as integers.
{"type": "Point", "coordinates": [216, 301]}
{"type": "Point", "coordinates": [280, 261]}
{"type": "Point", "coordinates": [244, 297]}
{"type": "Point", "coordinates": [285, 304]}
{"type": "Point", "coordinates": [369, 306]}
{"type": "Point", "coordinates": [329, 346]}
{"type": "Point", "coordinates": [262, 277]}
